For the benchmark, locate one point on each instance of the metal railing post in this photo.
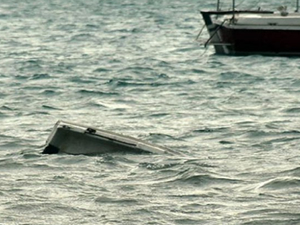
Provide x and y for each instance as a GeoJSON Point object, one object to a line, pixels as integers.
{"type": "Point", "coordinates": [233, 8]}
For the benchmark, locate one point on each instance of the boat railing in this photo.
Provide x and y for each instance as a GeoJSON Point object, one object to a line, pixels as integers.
{"type": "Point", "coordinates": [229, 12]}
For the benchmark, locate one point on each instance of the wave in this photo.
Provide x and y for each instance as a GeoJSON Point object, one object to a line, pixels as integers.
{"type": "Point", "coordinates": [115, 200]}
{"type": "Point", "coordinates": [293, 172]}
{"type": "Point", "coordinates": [211, 130]}
{"type": "Point", "coordinates": [205, 180]}
{"type": "Point", "coordinates": [96, 92]}
{"type": "Point", "coordinates": [280, 183]}
{"type": "Point", "coordinates": [101, 70]}
{"type": "Point", "coordinates": [50, 107]}
{"type": "Point", "coordinates": [293, 110]}
{"type": "Point", "coordinates": [39, 76]}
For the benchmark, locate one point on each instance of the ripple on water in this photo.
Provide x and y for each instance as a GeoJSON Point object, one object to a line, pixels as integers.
{"type": "Point", "coordinates": [286, 183]}
{"type": "Point", "coordinates": [135, 67]}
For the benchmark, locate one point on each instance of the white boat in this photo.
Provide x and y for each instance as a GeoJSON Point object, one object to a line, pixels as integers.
{"type": "Point", "coordinates": [77, 139]}
{"type": "Point", "coordinates": [244, 32]}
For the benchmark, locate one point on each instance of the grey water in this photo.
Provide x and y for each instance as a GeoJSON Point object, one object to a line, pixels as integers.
{"type": "Point", "coordinates": [134, 67]}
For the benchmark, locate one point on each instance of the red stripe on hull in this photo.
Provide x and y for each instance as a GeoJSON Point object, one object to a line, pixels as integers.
{"type": "Point", "coordinates": [250, 41]}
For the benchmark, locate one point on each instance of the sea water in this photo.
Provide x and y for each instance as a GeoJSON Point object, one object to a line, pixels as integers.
{"type": "Point", "coordinates": [134, 67]}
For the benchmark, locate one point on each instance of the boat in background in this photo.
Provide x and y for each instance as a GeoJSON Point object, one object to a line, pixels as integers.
{"type": "Point", "coordinates": [245, 32]}
{"type": "Point", "coordinates": [71, 138]}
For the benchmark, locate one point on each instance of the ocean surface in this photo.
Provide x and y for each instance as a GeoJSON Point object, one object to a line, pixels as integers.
{"type": "Point", "coordinates": [134, 67]}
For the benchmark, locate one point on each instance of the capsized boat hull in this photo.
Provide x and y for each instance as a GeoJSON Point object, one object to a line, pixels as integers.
{"type": "Point", "coordinates": [77, 139]}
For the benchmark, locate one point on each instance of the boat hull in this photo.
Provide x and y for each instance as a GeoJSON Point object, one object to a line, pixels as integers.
{"type": "Point", "coordinates": [259, 41]}
{"type": "Point", "coordinates": [253, 32]}
{"type": "Point", "coordinates": [77, 139]}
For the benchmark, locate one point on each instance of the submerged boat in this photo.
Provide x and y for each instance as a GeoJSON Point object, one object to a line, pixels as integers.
{"type": "Point", "coordinates": [77, 139]}
{"type": "Point", "coordinates": [245, 32]}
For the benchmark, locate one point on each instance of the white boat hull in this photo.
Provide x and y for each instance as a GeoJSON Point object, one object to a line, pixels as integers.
{"type": "Point", "coordinates": [77, 139]}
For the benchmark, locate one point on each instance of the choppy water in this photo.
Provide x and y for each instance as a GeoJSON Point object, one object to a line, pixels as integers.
{"type": "Point", "coordinates": [133, 67]}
